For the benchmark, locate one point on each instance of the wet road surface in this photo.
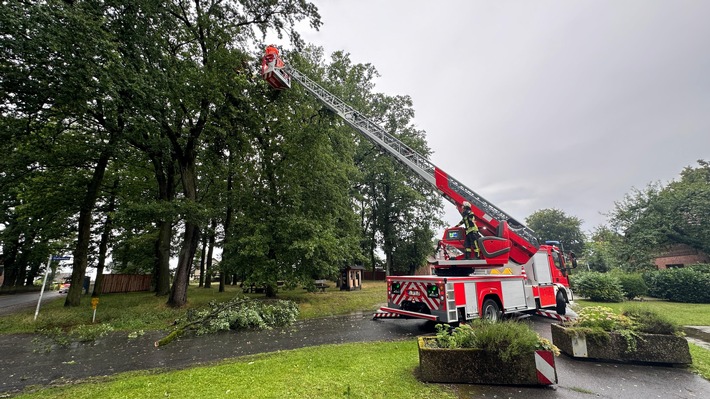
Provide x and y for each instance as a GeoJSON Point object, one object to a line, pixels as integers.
{"type": "Point", "coordinates": [23, 363]}
{"type": "Point", "coordinates": [10, 303]}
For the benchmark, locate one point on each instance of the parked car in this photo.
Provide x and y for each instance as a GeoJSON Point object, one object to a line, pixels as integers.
{"type": "Point", "coordinates": [64, 287]}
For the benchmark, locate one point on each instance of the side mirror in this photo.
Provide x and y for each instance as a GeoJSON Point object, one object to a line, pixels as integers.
{"type": "Point", "coordinates": [573, 259]}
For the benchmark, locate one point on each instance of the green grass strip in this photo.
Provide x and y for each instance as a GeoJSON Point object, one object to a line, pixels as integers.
{"type": "Point", "coordinates": [372, 370]}
{"type": "Point", "coordinates": [701, 360]}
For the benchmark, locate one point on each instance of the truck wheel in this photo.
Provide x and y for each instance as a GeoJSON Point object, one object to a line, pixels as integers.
{"type": "Point", "coordinates": [490, 310]}
{"type": "Point", "coordinates": [561, 306]}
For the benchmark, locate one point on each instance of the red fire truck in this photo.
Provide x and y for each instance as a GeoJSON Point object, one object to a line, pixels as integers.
{"type": "Point", "coordinates": [514, 272]}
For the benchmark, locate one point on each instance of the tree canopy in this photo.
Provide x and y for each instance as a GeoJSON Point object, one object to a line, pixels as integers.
{"type": "Point", "coordinates": [134, 130]}
{"type": "Point", "coordinates": [556, 225]}
{"type": "Point", "coordinates": [654, 218]}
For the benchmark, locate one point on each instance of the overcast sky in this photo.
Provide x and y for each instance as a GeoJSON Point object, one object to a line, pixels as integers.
{"type": "Point", "coordinates": [541, 104]}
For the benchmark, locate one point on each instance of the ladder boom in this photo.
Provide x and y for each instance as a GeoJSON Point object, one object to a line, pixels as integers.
{"type": "Point", "coordinates": [525, 243]}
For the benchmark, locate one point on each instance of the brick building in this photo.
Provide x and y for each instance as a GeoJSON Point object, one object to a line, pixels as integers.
{"type": "Point", "coordinates": [681, 255]}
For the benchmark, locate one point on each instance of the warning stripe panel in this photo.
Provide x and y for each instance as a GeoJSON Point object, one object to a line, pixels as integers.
{"type": "Point", "coordinates": [419, 288]}
{"type": "Point", "coordinates": [545, 366]}
{"type": "Point", "coordinates": [553, 315]}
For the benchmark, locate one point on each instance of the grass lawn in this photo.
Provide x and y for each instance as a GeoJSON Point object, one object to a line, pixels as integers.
{"type": "Point", "coordinates": [355, 371]}
{"type": "Point", "coordinates": [701, 361]}
{"type": "Point", "coordinates": [144, 311]}
{"type": "Point", "coordinates": [685, 314]}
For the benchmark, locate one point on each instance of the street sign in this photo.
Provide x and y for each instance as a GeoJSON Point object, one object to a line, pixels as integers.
{"type": "Point", "coordinates": [61, 257]}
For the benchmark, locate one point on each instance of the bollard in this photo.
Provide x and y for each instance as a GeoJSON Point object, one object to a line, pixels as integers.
{"type": "Point", "coordinates": [94, 305]}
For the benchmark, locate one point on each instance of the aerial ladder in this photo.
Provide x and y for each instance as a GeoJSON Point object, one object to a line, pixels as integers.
{"type": "Point", "coordinates": [459, 289]}
{"type": "Point", "coordinates": [523, 242]}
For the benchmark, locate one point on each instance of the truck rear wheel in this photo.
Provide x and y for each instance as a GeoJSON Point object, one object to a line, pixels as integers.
{"type": "Point", "coordinates": [490, 310]}
{"type": "Point", "coordinates": [561, 305]}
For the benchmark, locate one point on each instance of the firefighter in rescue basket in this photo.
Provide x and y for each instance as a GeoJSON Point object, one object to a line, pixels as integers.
{"type": "Point", "coordinates": [472, 234]}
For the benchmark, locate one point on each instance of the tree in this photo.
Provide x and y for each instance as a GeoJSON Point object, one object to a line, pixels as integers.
{"type": "Point", "coordinates": [389, 197]}
{"type": "Point", "coordinates": [652, 219]}
{"type": "Point", "coordinates": [601, 250]}
{"type": "Point", "coordinates": [555, 225]}
{"type": "Point", "coordinates": [293, 217]}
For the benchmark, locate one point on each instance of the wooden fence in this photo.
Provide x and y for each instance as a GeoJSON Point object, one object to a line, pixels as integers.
{"type": "Point", "coordinates": [125, 283]}
{"type": "Point", "coordinates": [379, 275]}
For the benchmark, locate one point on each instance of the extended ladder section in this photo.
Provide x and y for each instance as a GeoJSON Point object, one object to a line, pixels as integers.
{"type": "Point", "coordinates": [524, 243]}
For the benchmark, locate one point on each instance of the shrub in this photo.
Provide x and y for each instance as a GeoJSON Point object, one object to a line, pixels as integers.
{"type": "Point", "coordinates": [596, 322]}
{"type": "Point", "coordinates": [508, 339]}
{"type": "Point", "coordinates": [648, 321]}
{"type": "Point", "coordinates": [701, 267]}
{"type": "Point", "coordinates": [598, 287]}
{"type": "Point", "coordinates": [688, 285]}
{"type": "Point", "coordinates": [602, 318]}
{"type": "Point", "coordinates": [632, 284]}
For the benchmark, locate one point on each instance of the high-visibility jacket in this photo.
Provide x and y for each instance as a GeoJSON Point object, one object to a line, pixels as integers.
{"type": "Point", "coordinates": [469, 221]}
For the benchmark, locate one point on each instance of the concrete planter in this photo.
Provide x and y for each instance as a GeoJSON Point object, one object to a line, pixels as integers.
{"type": "Point", "coordinates": [650, 348]}
{"type": "Point", "coordinates": [475, 366]}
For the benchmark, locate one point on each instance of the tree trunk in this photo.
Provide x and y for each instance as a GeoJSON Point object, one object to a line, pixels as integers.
{"type": "Point", "coordinates": [81, 251]}
{"type": "Point", "coordinates": [165, 176]}
{"type": "Point", "coordinates": [210, 252]}
{"type": "Point", "coordinates": [202, 261]}
{"type": "Point", "coordinates": [162, 260]}
{"type": "Point", "coordinates": [227, 220]}
{"type": "Point", "coordinates": [178, 293]}
{"type": "Point", "coordinates": [10, 262]}
{"type": "Point", "coordinates": [105, 237]}
{"type": "Point", "coordinates": [222, 281]}
{"type": "Point", "coordinates": [191, 238]}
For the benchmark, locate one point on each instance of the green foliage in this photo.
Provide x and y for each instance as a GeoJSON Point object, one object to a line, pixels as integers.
{"type": "Point", "coordinates": [600, 287]}
{"type": "Point", "coordinates": [602, 317]}
{"type": "Point", "coordinates": [90, 332]}
{"type": "Point", "coordinates": [238, 313]}
{"type": "Point", "coordinates": [601, 250]}
{"type": "Point", "coordinates": [685, 314]}
{"type": "Point", "coordinates": [596, 322]}
{"type": "Point", "coordinates": [632, 284]}
{"type": "Point", "coordinates": [78, 333]}
{"type": "Point", "coordinates": [555, 225]}
{"type": "Point", "coordinates": [680, 284]}
{"type": "Point", "coordinates": [649, 321]}
{"type": "Point", "coordinates": [508, 339]}
{"type": "Point", "coordinates": [659, 217]}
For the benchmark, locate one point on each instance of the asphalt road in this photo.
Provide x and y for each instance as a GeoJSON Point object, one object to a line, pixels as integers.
{"type": "Point", "coordinates": [23, 365]}
{"type": "Point", "coordinates": [12, 302]}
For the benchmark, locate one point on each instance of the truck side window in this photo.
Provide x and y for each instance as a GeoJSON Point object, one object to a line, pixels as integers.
{"type": "Point", "coordinates": [556, 260]}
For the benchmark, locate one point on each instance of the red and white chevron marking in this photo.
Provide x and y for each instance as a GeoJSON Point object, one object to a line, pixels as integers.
{"type": "Point", "coordinates": [385, 315]}
{"type": "Point", "coordinates": [545, 365]}
{"type": "Point", "coordinates": [416, 286]}
{"type": "Point", "coordinates": [552, 315]}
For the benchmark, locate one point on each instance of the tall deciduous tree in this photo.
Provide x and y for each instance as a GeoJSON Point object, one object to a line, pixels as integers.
{"type": "Point", "coordinates": [294, 220]}
{"type": "Point", "coordinates": [556, 225]}
{"type": "Point", "coordinates": [393, 204]}
{"type": "Point", "coordinates": [652, 219]}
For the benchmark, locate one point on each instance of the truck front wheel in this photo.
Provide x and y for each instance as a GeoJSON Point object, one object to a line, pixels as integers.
{"type": "Point", "coordinates": [561, 305]}
{"type": "Point", "coordinates": [490, 310]}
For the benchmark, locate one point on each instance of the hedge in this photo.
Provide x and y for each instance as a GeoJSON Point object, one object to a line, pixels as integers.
{"type": "Point", "coordinates": [690, 285]}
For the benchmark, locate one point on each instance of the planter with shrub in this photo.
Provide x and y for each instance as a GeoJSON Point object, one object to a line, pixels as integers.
{"type": "Point", "coordinates": [505, 353]}
{"type": "Point", "coordinates": [636, 335]}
